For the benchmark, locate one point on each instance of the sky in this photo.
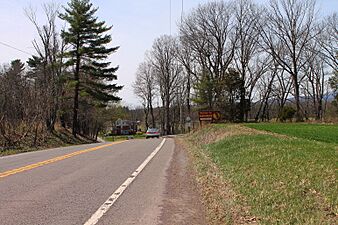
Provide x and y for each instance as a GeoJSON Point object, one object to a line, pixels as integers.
{"type": "Point", "coordinates": [136, 24]}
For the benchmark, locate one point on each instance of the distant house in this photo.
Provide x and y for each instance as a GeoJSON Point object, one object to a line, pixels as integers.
{"type": "Point", "coordinates": [125, 127]}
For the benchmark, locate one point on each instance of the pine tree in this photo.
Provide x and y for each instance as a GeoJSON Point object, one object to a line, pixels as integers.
{"type": "Point", "coordinates": [87, 55]}
{"type": "Point", "coordinates": [334, 86]}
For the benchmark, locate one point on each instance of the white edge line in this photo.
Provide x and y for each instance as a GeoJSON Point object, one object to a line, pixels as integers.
{"type": "Point", "coordinates": [112, 199]}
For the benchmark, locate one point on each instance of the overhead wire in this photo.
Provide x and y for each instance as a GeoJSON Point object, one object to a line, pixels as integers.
{"type": "Point", "coordinates": [170, 16]}
{"type": "Point", "coordinates": [182, 11]}
{"type": "Point", "coordinates": [12, 47]}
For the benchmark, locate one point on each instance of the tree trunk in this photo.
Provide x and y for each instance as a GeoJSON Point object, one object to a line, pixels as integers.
{"type": "Point", "coordinates": [167, 113]}
{"type": "Point", "coordinates": [152, 114]}
{"type": "Point", "coordinates": [299, 115]}
{"type": "Point", "coordinates": [76, 96]}
{"type": "Point", "coordinates": [242, 109]}
{"type": "Point", "coordinates": [188, 95]}
{"type": "Point", "coordinates": [146, 113]}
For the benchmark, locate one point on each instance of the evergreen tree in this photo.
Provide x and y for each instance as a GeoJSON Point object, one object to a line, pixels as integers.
{"type": "Point", "coordinates": [205, 89]}
{"type": "Point", "coordinates": [87, 55]}
{"type": "Point", "coordinates": [334, 86]}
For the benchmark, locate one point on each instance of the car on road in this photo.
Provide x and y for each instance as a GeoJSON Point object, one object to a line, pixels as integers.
{"type": "Point", "coordinates": [152, 133]}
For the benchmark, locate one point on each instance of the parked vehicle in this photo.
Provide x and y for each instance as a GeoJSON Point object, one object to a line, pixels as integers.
{"type": "Point", "coordinates": [152, 133]}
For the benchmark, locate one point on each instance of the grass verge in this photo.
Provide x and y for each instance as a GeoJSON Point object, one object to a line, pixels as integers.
{"type": "Point", "coordinates": [123, 137]}
{"type": "Point", "coordinates": [59, 138]}
{"type": "Point", "coordinates": [248, 176]}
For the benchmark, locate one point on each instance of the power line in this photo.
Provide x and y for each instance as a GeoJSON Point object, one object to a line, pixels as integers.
{"type": "Point", "coordinates": [9, 46]}
{"type": "Point", "coordinates": [182, 11]}
{"type": "Point", "coordinates": [170, 16]}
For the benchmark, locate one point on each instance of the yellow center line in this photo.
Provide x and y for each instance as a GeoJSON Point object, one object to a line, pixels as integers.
{"type": "Point", "coordinates": [56, 159]}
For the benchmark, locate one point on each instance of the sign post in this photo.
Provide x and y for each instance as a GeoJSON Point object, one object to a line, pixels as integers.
{"type": "Point", "coordinates": [188, 123]}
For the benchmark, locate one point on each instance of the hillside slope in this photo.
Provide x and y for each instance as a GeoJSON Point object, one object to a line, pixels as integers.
{"type": "Point", "coordinates": [59, 138]}
{"type": "Point", "coordinates": [253, 176]}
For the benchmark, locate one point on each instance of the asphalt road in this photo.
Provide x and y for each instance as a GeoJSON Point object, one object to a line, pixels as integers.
{"type": "Point", "coordinates": [68, 185]}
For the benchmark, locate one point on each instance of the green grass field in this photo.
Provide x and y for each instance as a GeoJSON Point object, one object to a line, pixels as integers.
{"type": "Point", "coordinates": [281, 180]}
{"type": "Point", "coordinates": [318, 132]}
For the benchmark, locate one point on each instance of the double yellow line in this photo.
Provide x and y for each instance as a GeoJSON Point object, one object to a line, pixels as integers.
{"type": "Point", "coordinates": [49, 161]}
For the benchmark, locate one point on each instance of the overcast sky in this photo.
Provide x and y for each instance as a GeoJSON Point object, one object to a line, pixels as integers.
{"type": "Point", "coordinates": [136, 23]}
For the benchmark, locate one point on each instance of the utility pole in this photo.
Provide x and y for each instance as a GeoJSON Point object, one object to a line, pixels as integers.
{"type": "Point", "coordinates": [182, 11]}
{"type": "Point", "coordinates": [170, 16]}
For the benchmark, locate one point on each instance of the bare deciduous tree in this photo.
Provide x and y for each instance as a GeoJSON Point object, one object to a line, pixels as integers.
{"type": "Point", "coordinates": [328, 40]}
{"type": "Point", "coordinates": [208, 31]}
{"type": "Point", "coordinates": [247, 51]}
{"type": "Point", "coordinates": [287, 36]}
{"type": "Point", "coordinates": [145, 88]}
{"type": "Point", "coordinates": [47, 66]}
{"type": "Point", "coordinates": [168, 71]}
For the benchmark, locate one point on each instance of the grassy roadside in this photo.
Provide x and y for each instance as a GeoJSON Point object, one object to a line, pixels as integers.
{"type": "Point", "coordinates": [123, 137]}
{"type": "Point", "coordinates": [251, 176]}
{"type": "Point", "coordinates": [59, 138]}
{"type": "Point", "coordinates": [219, 198]}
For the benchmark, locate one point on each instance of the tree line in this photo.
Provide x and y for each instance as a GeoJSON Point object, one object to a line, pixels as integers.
{"type": "Point", "coordinates": [248, 61]}
{"type": "Point", "coordinates": [68, 82]}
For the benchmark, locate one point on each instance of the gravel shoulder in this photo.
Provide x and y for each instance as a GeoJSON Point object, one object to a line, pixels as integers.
{"type": "Point", "coordinates": [182, 203]}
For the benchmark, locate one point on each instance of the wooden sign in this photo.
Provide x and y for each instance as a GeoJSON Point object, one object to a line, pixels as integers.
{"type": "Point", "coordinates": [209, 116]}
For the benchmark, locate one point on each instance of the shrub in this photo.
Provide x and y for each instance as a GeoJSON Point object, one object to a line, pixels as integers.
{"type": "Point", "coordinates": [287, 113]}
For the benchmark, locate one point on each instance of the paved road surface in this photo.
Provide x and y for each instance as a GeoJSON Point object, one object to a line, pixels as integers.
{"type": "Point", "coordinates": [70, 188]}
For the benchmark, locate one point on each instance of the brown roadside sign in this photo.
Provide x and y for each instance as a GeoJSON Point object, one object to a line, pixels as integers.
{"type": "Point", "coordinates": [209, 115]}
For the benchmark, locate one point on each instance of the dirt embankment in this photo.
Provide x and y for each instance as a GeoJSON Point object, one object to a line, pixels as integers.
{"type": "Point", "coordinates": [58, 138]}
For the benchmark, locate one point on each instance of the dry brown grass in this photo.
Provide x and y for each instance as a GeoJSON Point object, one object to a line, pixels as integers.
{"type": "Point", "coordinates": [220, 200]}
{"type": "Point", "coordinates": [222, 176]}
{"type": "Point", "coordinates": [214, 133]}
{"type": "Point", "coordinates": [59, 138]}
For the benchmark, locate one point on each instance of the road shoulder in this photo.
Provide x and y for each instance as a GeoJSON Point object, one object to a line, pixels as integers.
{"type": "Point", "coordinates": [182, 200]}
